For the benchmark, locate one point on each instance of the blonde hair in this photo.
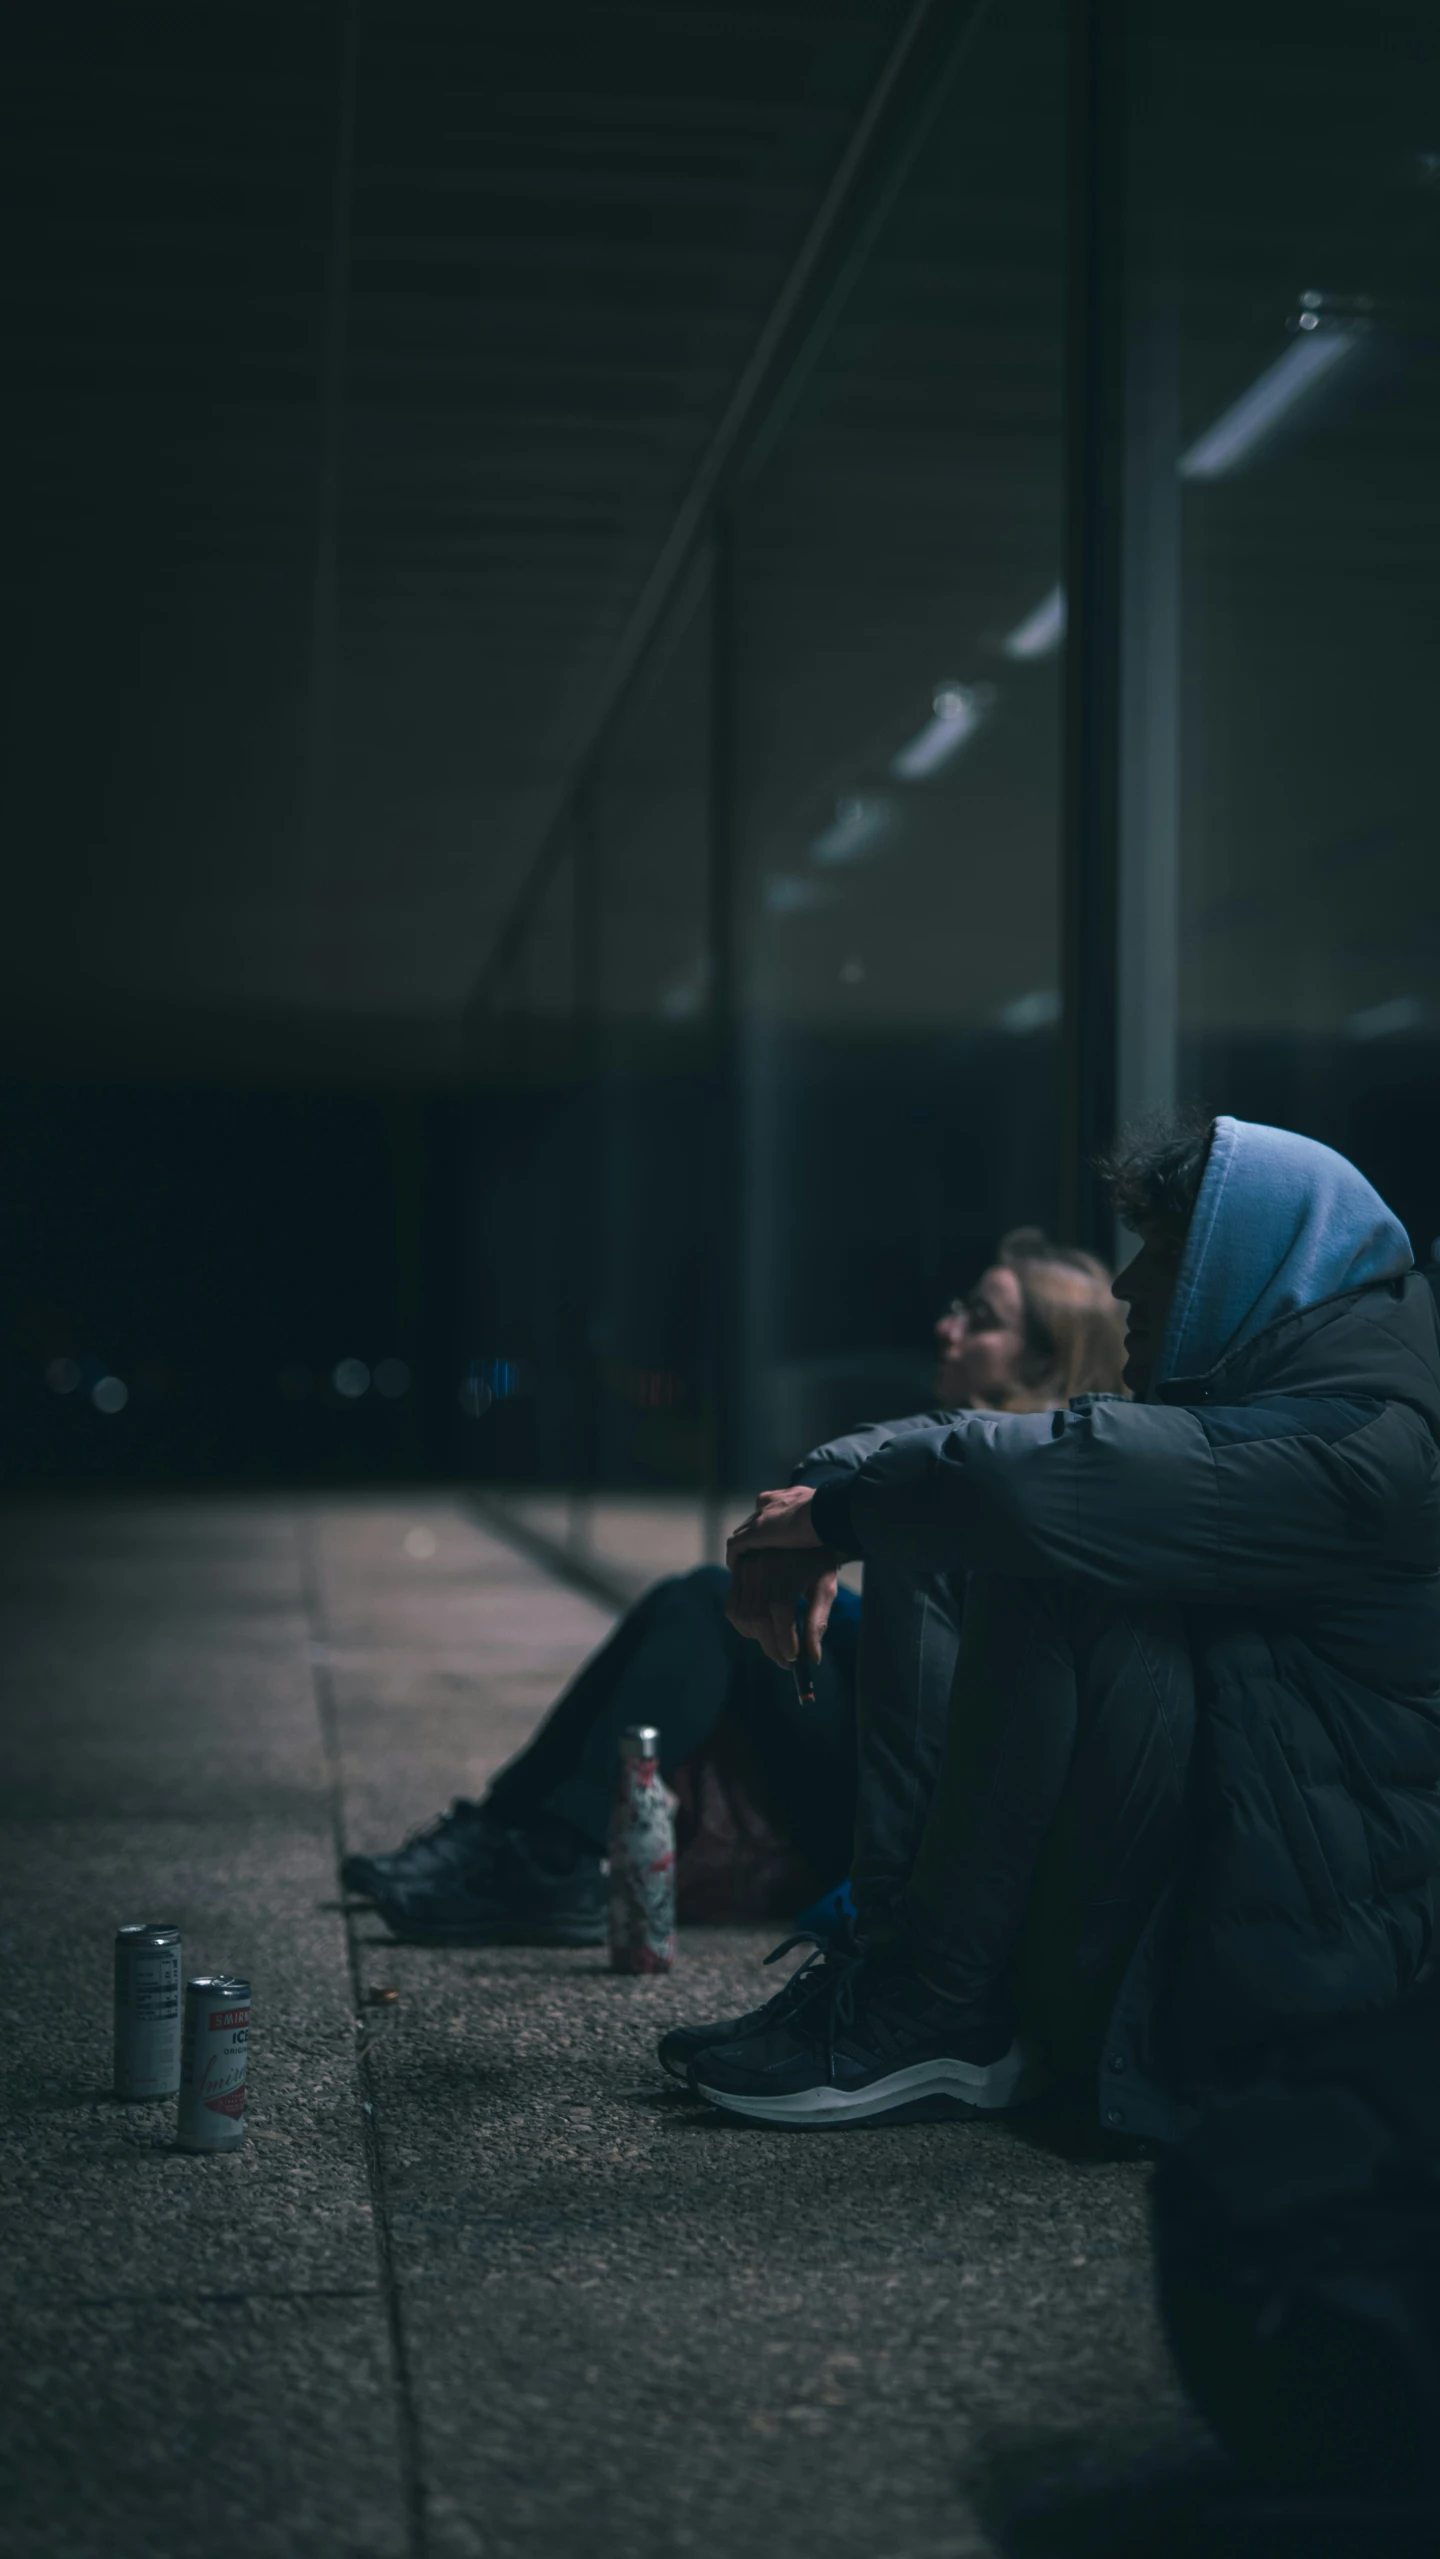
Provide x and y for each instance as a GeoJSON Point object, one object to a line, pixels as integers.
{"type": "Point", "coordinates": [1074, 1328]}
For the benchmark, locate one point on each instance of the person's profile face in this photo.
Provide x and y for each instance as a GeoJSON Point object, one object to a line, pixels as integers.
{"type": "Point", "coordinates": [1145, 1288]}
{"type": "Point", "coordinates": [982, 1343]}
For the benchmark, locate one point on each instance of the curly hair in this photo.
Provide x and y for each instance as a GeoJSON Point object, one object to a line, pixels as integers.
{"type": "Point", "coordinates": [1074, 1330]}
{"type": "Point", "coordinates": [1153, 1172]}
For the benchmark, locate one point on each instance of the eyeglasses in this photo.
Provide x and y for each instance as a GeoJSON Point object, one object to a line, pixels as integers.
{"type": "Point", "coordinates": [977, 1312]}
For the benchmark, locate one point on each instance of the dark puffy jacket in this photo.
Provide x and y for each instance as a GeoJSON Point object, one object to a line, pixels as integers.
{"type": "Point", "coordinates": [1289, 1501]}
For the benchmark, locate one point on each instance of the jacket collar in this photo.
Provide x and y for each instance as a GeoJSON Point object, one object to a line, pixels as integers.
{"type": "Point", "coordinates": [1380, 1342]}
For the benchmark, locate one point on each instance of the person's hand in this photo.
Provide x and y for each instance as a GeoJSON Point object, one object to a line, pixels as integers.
{"type": "Point", "coordinates": [778, 1519]}
{"type": "Point", "coordinates": [766, 1583]}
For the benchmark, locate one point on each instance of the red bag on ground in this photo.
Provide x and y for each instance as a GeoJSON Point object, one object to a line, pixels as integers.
{"type": "Point", "coordinates": [735, 1857]}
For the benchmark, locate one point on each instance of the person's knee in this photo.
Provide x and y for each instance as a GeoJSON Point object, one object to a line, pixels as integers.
{"type": "Point", "coordinates": [1006, 1612]}
{"type": "Point", "coordinates": [1135, 1639]}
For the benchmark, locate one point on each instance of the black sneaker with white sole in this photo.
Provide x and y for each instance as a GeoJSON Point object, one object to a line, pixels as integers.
{"type": "Point", "coordinates": [871, 2042]}
{"type": "Point", "coordinates": [453, 1843]}
{"type": "Point", "coordinates": [511, 1899]}
{"type": "Point", "coordinates": [685, 2044]}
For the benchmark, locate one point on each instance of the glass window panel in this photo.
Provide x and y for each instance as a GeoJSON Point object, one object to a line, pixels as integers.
{"type": "Point", "coordinates": [897, 562]}
{"type": "Point", "coordinates": [1301, 204]}
{"type": "Point", "coordinates": [519, 1387]}
{"type": "Point", "coordinates": [649, 822]}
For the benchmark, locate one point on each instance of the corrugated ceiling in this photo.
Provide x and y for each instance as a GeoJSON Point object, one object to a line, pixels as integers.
{"type": "Point", "coordinates": [566, 228]}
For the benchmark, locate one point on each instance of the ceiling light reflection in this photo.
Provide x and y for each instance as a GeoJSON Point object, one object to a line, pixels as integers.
{"type": "Point", "coordinates": [1037, 1011]}
{"type": "Point", "coordinates": [1041, 632]}
{"type": "Point", "coordinates": [1288, 380]}
{"type": "Point", "coordinates": [860, 825]}
{"type": "Point", "coordinates": [959, 710]}
{"type": "Point", "coordinates": [790, 893]}
{"type": "Point", "coordinates": [1387, 1021]}
{"type": "Point", "coordinates": [685, 998]}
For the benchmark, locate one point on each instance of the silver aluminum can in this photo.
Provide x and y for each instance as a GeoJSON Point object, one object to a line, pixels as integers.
{"type": "Point", "coordinates": [212, 2062]}
{"type": "Point", "coordinates": [147, 2009]}
{"type": "Point", "coordinates": [642, 1860]}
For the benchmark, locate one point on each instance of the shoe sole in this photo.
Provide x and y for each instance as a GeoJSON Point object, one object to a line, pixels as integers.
{"type": "Point", "coordinates": [366, 1885]}
{"type": "Point", "coordinates": [967, 2087]}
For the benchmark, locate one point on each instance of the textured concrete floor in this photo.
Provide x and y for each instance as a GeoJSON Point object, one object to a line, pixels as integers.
{"type": "Point", "coordinates": [482, 2281]}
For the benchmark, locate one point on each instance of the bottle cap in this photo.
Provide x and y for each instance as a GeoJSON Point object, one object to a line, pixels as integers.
{"type": "Point", "coordinates": [640, 1741]}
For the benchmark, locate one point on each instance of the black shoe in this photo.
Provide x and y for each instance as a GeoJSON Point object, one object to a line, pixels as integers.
{"type": "Point", "coordinates": [508, 1900]}
{"type": "Point", "coordinates": [685, 2044]}
{"type": "Point", "coordinates": [871, 2041]}
{"type": "Point", "coordinates": [454, 1842]}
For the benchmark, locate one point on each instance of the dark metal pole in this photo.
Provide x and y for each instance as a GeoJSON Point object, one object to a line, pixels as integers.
{"type": "Point", "coordinates": [1095, 360]}
{"type": "Point", "coordinates": [320, 742]}
{"type": "Point", "coordinates": [1122, 701]}
{"type": "Point", "coordinates": [722, 1305]}
{"type": "Point", "coordinates": [590, 1223]}
{"type": "Point", "coordinates": [1148, 929]}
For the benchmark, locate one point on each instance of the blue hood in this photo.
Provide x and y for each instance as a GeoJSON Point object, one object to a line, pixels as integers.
{"type": "Point", "coordinates": [1280, 1223]}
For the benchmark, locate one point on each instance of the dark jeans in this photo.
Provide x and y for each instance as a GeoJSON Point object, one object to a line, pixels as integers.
{"type": "Point", "coordinates": [909, 1646]}
{"type": "Point", "coordinates": [675, 1661]}
{"type": "Point", "coordinates": [1060, 1809]}
{"type": "Point", "coordinates": [1019, 1801]}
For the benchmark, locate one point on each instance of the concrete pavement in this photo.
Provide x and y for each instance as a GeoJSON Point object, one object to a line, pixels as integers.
{"type": "Point", "coordinates": [482, 2283]}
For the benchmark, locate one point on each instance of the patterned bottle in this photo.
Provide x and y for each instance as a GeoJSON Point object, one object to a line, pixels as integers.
{"type": "Point", "coordinates": [642, 1860]}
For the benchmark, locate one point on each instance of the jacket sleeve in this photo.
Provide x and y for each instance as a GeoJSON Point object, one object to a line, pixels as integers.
{"type": "Point", "coordinates": [1149, 1499]}
{"type": "Point", "coordinates": [838, 1457]}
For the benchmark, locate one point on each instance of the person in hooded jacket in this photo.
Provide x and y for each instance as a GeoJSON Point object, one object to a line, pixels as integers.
{"type": "Point", "coordinates": [1190, 1791]}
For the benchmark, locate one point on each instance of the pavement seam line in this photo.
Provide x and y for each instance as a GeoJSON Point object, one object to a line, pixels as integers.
{"type": "Point", "coordinates": [407, 2421]}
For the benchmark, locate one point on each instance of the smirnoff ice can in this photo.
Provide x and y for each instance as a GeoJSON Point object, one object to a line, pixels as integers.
{"type": "Point", "coordinates": [642, 1860]}
{"type": "Point", "coordinates": [147, 2009]}
{"type": "Point", "coordinates": [212, 2062]}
